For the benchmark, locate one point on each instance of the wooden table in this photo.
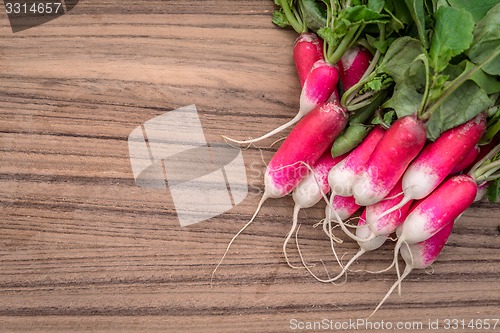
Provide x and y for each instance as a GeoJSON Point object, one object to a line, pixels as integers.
{"type": "Point", "coordinates": [83, 248]}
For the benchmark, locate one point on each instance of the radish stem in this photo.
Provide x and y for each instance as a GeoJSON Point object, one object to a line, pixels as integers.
{"type": "Point", "coordinates": [297, 25]}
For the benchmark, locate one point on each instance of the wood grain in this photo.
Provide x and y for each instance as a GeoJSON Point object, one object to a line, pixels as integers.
{"type": "Point", "coordinates": [82, 248]}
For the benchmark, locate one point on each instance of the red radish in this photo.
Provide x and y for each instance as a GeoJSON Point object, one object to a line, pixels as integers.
{"type": "Point", "coordinates": [400, 144]}
{"type": "Point", "coordinates": [440, 208]}
{"type": "Point", "coordinates": [353, 65]}
{"type": "Point", "coordinates": [438, 159]}
{"type": "Point", "coordinates": [342, 176]}
{"type": "Point", "coordinates": [307, 141]}
{"type": "Point", "coordinates": [467, 161]}
{"type": "Point", "coordinates": [387, 224]}
{"type": "Point", "coordinates": [319, 86]}
{"type": "Point", "coordinates": [420, 255]}
{"type": "Point", "coordinates": [311, 190]}
{"type": "Point", "coordinates": [307, 49]}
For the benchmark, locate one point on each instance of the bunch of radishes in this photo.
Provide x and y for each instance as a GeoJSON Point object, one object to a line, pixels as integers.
{"type": "Point", "coordinates": [398, 117]}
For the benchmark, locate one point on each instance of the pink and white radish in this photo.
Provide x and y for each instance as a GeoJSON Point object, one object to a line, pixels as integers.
{"type": "Point", "coordinates": [345, 207]}
{"type": "Point", "coordinates": [420, 256]}
{"type": "Point", "coordinates": [436, 211]}
{"type": "Point", "coordinates": [400, 144]}
{"type": "Point", "coordinates": [310, 191]}
{"type": "Point", "coordinates": [438, 159]}
{"type": "Point", "coordinates": [318, 87]}
{"type": "Point", "coordinates": [386, 225]}
{"type": "Point", "coordinates": [307, 49]}
{"type": "Point", "coordinates": [353, 65]}
{"type": "Point", "coordinates": [367, 240]}
{"type": "Point", "coordinates": [307, 141]}
{"type": "Point", "coordinates": [343, 176]}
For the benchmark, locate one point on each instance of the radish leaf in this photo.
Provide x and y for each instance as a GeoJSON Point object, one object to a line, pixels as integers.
{"type": "Point", "coordinates": [452, 35]}
{"type": "Point", "coordinates": [488, 83]}
{"type": "Point", "coordinates": [416, 8]}
{"type": "Point", "coordinates": [467, 101]}
{"type": "Point", "coordinates": [376, 5]}
{"type": "Point", "coordinates": [478, 8]}
{"type": "Point", "coordinates": [486, 41]}
{"type": "Point", "coordinates": [399, 56]}
{"type": "Point", "coordinates": [493, 191]}
{"type": "Point", "coordinates": [313, 14]}
{"type": "Point", "coordinates": [493, 125]}
{"type": "Point", "coordinates": [279, 18]}
{"type": "Point", "coordinates": [408, 92]}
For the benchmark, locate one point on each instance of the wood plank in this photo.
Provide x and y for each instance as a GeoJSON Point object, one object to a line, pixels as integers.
{"type": "Point", "coordinates": [82, 248]}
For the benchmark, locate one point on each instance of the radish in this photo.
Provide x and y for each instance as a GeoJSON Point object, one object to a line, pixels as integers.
{"type": "Point", "coordinates": [304, 145]}
{"type": "Point", "coordinates": [387, 224]}
{"type": "Point", "coordinates": [307, 49]}
{"type": "Point", "coordinates": [308, 193]}
{"type": "Point", "coordinates": [318, 88]}
{"type": "Point", "coordinates": [363, 232]}
{"type": "Point", "coordinates": [440, 208]}
{"type": "Point", "coordinates": [438, 159]}
{"type": "Point", "coordinates": [344, 206]}
{"type": "Point", "coordinates": [420, 255]}
{"type": "Point", "coordinates": [467, 161]}
{"type": "Point", "coordinates": [343, 176]}
{"type": "Point", "coordinates": [353, 65]}
{"type": "Point", "coordinates": [307, 141]}
{"type": "Point", "coordinates": [311, 190]}
{"type": "Point", "coordinates": [400, 144]}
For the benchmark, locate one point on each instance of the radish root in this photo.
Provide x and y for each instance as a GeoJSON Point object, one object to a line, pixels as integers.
{"type": "Point", "coordinates": [407, 271]}
{"type": "Point", "coordinates": [259, 206]}
{"type": "Point", "coordinates": [265, 136]}
{"type": "Point", "coordinates": [296, 210]}
{"type": "Point", "coordinates": [309, 270]}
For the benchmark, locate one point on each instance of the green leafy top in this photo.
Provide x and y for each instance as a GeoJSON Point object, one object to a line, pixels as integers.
{"type": "Point", "coordinates": [439, 59]}
{"type": "Point", "coordinates": [430, 82]}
